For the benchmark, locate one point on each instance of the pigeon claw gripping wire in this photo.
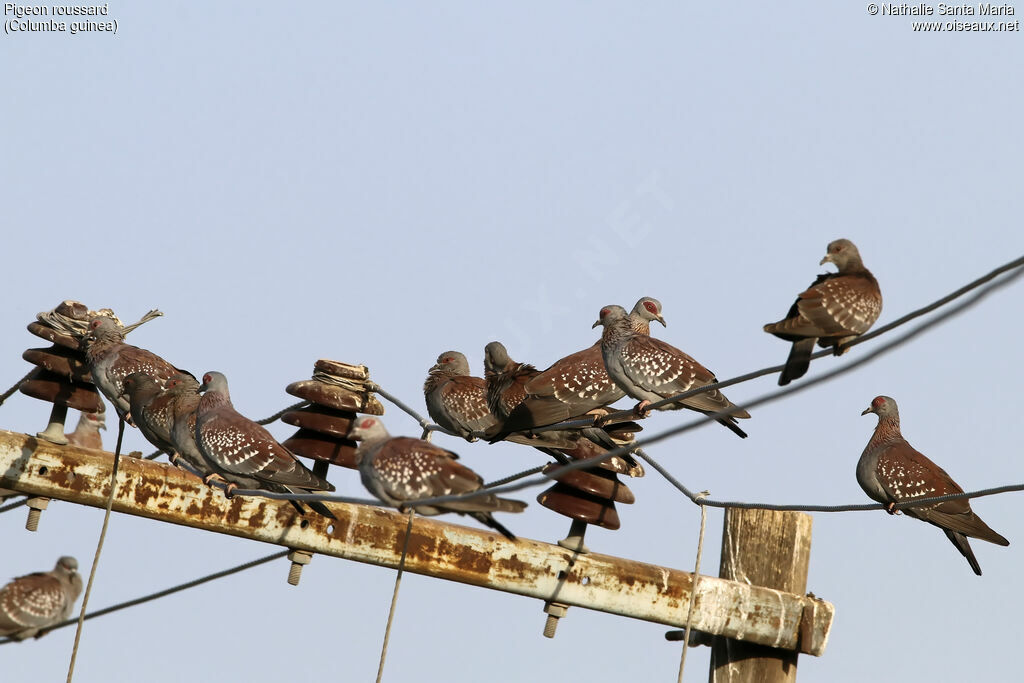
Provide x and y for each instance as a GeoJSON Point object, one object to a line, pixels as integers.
{"type": "Point", "coordinates": [298, 558]}
{"type": "Point", "coordinates": [35, 510]}
{"type": "Point", "coordinates": [555, 611]}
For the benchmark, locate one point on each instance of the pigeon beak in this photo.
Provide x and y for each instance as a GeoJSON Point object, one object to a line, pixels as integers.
{"type": "Point", "coordinates": [826, 259]}
{"type": "Point", "coordinates": [661, 320]}
{"type": "Point", "coordinates": [595, 324]}
{"type": "Point", "coordinates": [103, 426]}
{"type": "Point", "coordinates": [203, 387]}
{"type": "Point", "coordinates": [869, 409]}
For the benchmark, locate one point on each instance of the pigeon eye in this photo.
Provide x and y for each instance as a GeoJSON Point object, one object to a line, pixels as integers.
{"type": "Point", "coordinates": [366, 424]}
{"type": "Point", "coordinates": [604, 312]}
{"type": "Point", "coordinates": [649, 305]}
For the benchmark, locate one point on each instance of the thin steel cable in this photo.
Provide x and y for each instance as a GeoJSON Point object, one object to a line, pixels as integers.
{"type": "Point", "coordinates": [14, 506]}
{"type": "Point", "coordinates": [278, 414]}
{"type": "Point", "coordinates": [624, 414]}
{"type": "Point", "coordinates": [768, 398]}
{"type": "Point", "coordinates": [164, 593]}
{"type": "Point", "coordinates": [764, 399]}
{"type": "Point", "coordinates": [515, 477]}
{"type": "Point", "coordinates": [10, 392]}
{"type": "Point", "coordinates": [99, 549]}
{"type": "Point", "coordinates": [394, 598]}
{"type": "Point", "coordinates": [693, 587]}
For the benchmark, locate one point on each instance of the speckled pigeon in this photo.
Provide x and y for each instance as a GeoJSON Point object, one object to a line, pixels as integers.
{"type": "Point", "coordinates": [574, 385]}
{"type": "Point", "coordinates": [890, 471]}
{"type": "Point", "coordinates": [835, 309]}
{"type": "Point", "coordinates": [31, 604]}
{"type": "Point", "coordinates": [110, 360]}
{"type": "Point", "coordinates": [245, 453]}
{"type": "Point", "coordinates": [87, 431]}
{"type": "Point", "coordinates": [455, 399]}
{"type": "Point", "coordinates": [650, 370]}
{"type": "Point", "coordinates": [399, 470]}
{"type": "Point", "coordinates": [154, 409]}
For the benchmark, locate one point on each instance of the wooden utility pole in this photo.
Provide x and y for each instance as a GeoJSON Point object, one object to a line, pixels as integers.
{"type": "Point", "coordinates": [769, 549]}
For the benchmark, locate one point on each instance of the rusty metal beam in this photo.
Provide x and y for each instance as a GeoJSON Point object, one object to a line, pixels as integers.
{"type": "Point", "coordinates": [448, 551]}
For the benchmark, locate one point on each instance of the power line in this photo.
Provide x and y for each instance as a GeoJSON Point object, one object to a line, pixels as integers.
{"type": "Point", "coordinates": [167, 591]}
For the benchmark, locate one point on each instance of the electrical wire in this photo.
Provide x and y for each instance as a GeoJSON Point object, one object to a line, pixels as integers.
{"type": "Point", "coordinates": [160, 594]}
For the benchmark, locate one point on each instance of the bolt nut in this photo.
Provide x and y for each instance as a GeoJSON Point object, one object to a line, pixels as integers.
{"type": "Point", "coordinates": [35, 510]}
{"type": "Point", "coordinates": [555, 611]}
{"type": "Point", "coordinates": [299, 558]}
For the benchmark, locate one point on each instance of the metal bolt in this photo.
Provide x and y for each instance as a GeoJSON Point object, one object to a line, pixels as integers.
{"type": "Point", "coordinates": [555, 611]}
{"type": "Point", "coordinates": [298, 558]}
{"type": "Point", "coordinates": [35, 509]}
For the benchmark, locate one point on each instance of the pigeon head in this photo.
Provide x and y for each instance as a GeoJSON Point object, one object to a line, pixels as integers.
{"type": "Point", "coordinates": [367, 429]}
{"type": "Point", "coordinates": [182, 381]}
{"type": "Point", "coordinates": [495, 358]}
{"type": "Point", "coordinates": [451, 363]}
{"type": "Point", "coordinates": [102, 328]}
{"type": "Point", "coordinates": [215, 382]}
{"type": "Point", "coordinates": [609, 314]}
{"type": "Point", "coordinates": [96, 420]}
{"type": "Point", "coordinates": [649, 308]}
{"type": "Point", "coordinates": [883, 407]}
{"type": "Point", "coordinates": [139, 383]}
{"type": "Point", "coordinates": [843, 253]}
{"type": "Point", "coordinates": [67, 563]}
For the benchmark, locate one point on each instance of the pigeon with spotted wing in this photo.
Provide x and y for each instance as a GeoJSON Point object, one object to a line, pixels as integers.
{"type": "Point", "coordinates": [650, 370]}
{"type": "Point", "coordinates": [244, 453]}
{"type": "Point", "coordinates": [834, 310]}
{"type": "Point", "coordinates": [399, 470]}
{"type": "Point", "coordinates": [31, 604]}
{"type": "Point", "coordinates": [890, 471]}
{"type": "Point", "coordinates": [574, 385]}
{"type": "Point", "coordinates": [110, 360]}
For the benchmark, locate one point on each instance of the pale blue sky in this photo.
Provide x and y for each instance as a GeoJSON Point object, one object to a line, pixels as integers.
{"type": "Point", "coordinates": [379, 184]}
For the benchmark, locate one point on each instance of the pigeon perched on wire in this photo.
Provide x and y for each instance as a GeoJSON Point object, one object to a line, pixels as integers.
{"type": "Point", "coordinates": [891, 471]}
{"type": "Point", "coordinates": [834, 310]}
{"type": "Point", "coordinates": [244, 453]}
{"type": "Point", "coordinates": [651, 370]}
{"type": "Point", "coordinates": [573, 386]}
{"type": "Point", "coordinates": [399, 470]}
{"type": "Point", "coordinates": [110, 360]}
{"type": "Point", "coordinates": [31, 604]}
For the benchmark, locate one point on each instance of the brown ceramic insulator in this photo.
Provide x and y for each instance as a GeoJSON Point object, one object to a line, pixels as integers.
{"type": "Point", "coordinates": [53, 388]}
{"type": "Point", "coordinates": [60, 361]}
{"type": "Point", "coordinates": [580, 506]}
{"type": "Point", "coordinates": [51, 335]}
{"type": "Point", "coordinates": [339, 369]}
{"type": "Point", "coordinates": [320, 419]}
{"type": "Point", "coordinates": [585, 448]}
{"type": "Point", "coordinates": [310, 444]}
{"type": "Point", "coordinates": [334, 396]}
{"type": "Point", "coordinates": [597, 482]}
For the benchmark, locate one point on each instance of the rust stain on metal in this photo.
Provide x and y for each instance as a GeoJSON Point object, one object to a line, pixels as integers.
{"type": "Point", "coordinates": [436, 548]}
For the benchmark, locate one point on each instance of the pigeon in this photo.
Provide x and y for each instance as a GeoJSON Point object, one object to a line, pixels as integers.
{"type": "Point", "coordinates": [87, 431]}
{"type": "Point", "coordinates": [890, 471]}
{"type": "Point", "coordinates": [32, 604]}
{"type": "Point", "coordinates": [110, 360]}
{"type": "Point", "coordinates": [456, 400]}
{"type": "Point", "coordinates": [399, 470]}
{"type": "Point", "coordinates": [156, 410]}
{"type": "Point", "coordinates": [574, 385]}
{"type": "Point", "coordinates": [244, 453]}
{"type": "Point", "coordinates": [835, 309]}
{"type": "Point", "coordinates": [650, 370]}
